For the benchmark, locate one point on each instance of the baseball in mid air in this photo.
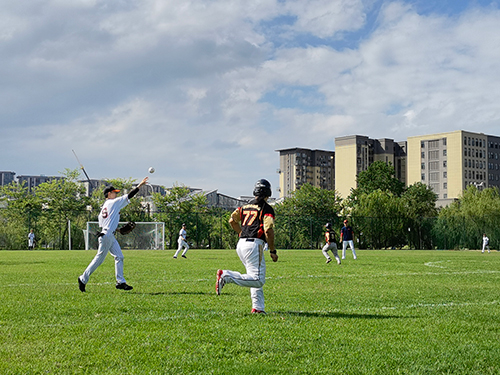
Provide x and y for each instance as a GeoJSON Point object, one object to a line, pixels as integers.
{"type": "Point", "coordinates": [151, 170]}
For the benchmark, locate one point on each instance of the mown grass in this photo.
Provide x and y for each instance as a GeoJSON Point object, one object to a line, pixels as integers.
{"type": "Point", "coordinates": [389, 312]}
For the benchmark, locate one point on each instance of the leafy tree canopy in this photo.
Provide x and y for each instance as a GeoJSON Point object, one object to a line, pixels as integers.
{"type": "Point", "coordinates": [310, 201]}
{"type": "Point", "coordinates": [379, 175]}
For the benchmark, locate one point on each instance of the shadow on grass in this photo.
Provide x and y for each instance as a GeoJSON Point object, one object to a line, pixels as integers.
{"type": "Point", "coordinates": [336, 315]}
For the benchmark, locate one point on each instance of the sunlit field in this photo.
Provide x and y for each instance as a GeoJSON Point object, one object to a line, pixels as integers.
{"type": "Point", "coordinates": [388, 312]}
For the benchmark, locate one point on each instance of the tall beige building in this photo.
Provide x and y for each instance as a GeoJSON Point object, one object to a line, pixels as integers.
{"type": "Point", "coordinates": [299, 166]}
{"type": "Point", "coordinates": [449, 162]}
{"type": "Point", "coordinates": [355, 153]}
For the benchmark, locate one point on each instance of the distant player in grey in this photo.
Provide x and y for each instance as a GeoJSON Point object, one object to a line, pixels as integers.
{"type": "Point", "coordinates": [331, 244]}
{"type": "Point", "coordinates": [347, 238]}
{"type": "Point", "coordinates": [109, 217]}
{"type": "Point", "coordinates": [486, 243]}
{"type": "Point", "coordinates": [182, 241]}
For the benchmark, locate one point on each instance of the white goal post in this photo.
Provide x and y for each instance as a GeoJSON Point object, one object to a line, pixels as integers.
{"type": "Point", "coordinates": [145, 236]}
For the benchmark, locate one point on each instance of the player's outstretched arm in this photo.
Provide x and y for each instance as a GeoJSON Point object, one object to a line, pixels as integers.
{"type": "Point", "coordinates": [136, 189]}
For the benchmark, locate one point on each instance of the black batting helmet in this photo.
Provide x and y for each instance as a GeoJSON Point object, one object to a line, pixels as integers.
{"type": "Point", "coordinates": [328, 226]}
{"type": "Point", "coordinates": [262, 189]}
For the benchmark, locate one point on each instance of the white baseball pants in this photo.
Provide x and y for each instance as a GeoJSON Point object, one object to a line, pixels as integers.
{"type": "Point", "coordinates": [333, 247]}
{"type": "Point", "coordinates": [107, 243]}
{"type": "Point", "coordinates": [251, 253]}
{"type": "Point", "coordinates": [182, 244]}
{"type": "Point", "coordinates": [344, 247]}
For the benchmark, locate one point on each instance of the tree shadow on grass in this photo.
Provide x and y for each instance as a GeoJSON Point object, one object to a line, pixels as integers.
{"type": "Point", "coordinates": [308, 314]}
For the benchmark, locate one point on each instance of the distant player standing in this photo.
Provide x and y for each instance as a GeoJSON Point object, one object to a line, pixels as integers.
{"type": "Point", "coordinates": [330, 244]}
{"type": "Point", "coordinates": [486, 243]}
{"type": "Point", "coordinates": [346, 236]}
{"type": "Point", "coordinates": [182, 241]}
{"type": "Point", "coordinates": [31, 240]}
{"type": "Point", "coordinates": [109, 218]}
{"type": "Point", "coordinates": [254, 224]}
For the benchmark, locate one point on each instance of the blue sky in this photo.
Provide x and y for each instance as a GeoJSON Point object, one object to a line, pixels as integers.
{"type": "Point", "coordinates": [207, 91]}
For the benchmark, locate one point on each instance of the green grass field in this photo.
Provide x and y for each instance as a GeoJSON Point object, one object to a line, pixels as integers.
{"type": "Point", "coordinates": [389, 312]}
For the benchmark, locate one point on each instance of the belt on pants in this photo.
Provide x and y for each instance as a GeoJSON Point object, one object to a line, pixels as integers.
{"type": "Point", "coordinates": [252, 239]}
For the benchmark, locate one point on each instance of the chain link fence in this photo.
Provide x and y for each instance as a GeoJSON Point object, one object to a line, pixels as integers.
{"type": "Point", "coordinates": [212, 231]}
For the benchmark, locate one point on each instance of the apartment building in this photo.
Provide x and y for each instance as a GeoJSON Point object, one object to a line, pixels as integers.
{"type": "Point", "coordinates": [299, 166]}
{"type": "Point", "coordinates": [7, 177]}
{"type": "Point", "coordinates": [355, 153]}
{"type": "Point", "coordinates": [449, 162]}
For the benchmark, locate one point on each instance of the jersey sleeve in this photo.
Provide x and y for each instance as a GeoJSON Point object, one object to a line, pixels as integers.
{"type": "Point", "coordinates": [268, 217]}
{"type": "Point", "coordinates": [236, 216]}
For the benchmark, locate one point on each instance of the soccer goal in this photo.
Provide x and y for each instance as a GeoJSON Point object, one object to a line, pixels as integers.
{"type": "Point", "coordinates": [145, 236]}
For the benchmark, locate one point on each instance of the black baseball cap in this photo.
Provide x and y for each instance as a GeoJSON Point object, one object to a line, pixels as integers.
{"type": "Point", "coordinates": [109, 189]}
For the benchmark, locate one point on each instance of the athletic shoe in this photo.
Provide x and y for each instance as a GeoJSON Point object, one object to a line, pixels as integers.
{"type": "Point", "coordinates": [81, 285]}
{"type": "Point", "coordinates": [328, 260]}
{"type": "Point", "coordinates": [184, 256]}
{"type": "Point", "coordinates": [219, 284]}
{"type": "Point", "coordinates": [175, 257]}
{"type": "Point", "coordinates": [255, 311]}
{"type": "Point", "coordinates": [124, 286]}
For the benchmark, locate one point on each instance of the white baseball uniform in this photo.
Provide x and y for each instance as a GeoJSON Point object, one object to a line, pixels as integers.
{"type": "Point", "coordinates": [109, 217]}
{"type": "Point", "coordinates": [31, 240]}
{"type": "Point", "coordinates": [486, 244]}
{"type": "Point", "coordinates": [182, 243]}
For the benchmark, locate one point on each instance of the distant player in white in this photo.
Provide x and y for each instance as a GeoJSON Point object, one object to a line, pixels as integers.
{"type": "Point", "coordinates": [486, 243]}
{"type": "Point", "coordinates": [31, 240]}
{"type": "Point", "coordinates": [109, 218]}
{"type": "Point", "coordinates": [182, 241]}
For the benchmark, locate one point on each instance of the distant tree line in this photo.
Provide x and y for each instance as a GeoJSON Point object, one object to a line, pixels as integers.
{"type": "Point", "coordinates": [382, 211]}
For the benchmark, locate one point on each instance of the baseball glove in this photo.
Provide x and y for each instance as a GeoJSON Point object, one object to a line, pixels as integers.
{"type": "Point", "coordinates": [127, 228]}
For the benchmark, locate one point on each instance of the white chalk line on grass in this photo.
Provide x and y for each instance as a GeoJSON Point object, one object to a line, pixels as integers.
{"type": "Point", "coordinates": [298, 277]}
{"type": "Point", "coordinates": [439, 305]}
{"type": "Point", "coordinates": [435, 264]}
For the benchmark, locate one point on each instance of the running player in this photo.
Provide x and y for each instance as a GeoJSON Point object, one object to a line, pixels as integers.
{"type": "Point", "coordinates": [182, 241]}
{"type": "Point", "coordinates": [109, 218]}
{"type": "Point", "coordinates": [254, 224]}
{"type": "Point", "coordinates": [330, 244]}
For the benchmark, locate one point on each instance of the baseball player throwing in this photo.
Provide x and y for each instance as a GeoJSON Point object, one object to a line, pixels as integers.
{"type": "Point", "coordinates": [182, 241]}
{"type": "Point", "coordinates": [109, 218]}
{"type": "Point", "coordinates": [330, 244]}
{"type": "Point", "coordinates": [254, 224]}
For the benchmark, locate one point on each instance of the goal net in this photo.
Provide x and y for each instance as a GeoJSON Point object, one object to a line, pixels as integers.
{"type": "Point", "coordinates": [145, 236]}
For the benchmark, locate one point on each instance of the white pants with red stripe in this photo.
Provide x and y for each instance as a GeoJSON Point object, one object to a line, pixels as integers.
{"type": "Point", "coordinates": [251, 253]}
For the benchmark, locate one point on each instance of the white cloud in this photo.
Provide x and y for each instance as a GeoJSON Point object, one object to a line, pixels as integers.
{"type": "Point", "coordinates": [193, 87]}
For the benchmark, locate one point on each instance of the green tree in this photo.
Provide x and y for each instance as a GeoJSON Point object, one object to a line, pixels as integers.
{"type": "Point", "coordinates": [64, 201]}
{"type": "Point", "coordinates": [377, 219]}
{"type": "Point", "coordinates": [462, 223]}
{"type": "Point", "coordinates": [179, 206]}
{"type": "Point", "coordinates": [379, 175]}
{"type": "Point", "coordinates": [418, 204]}
{"type": "Point", "coordinates": [300, 219]}
{"type": "Point", "coordinates": [21, 213]}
